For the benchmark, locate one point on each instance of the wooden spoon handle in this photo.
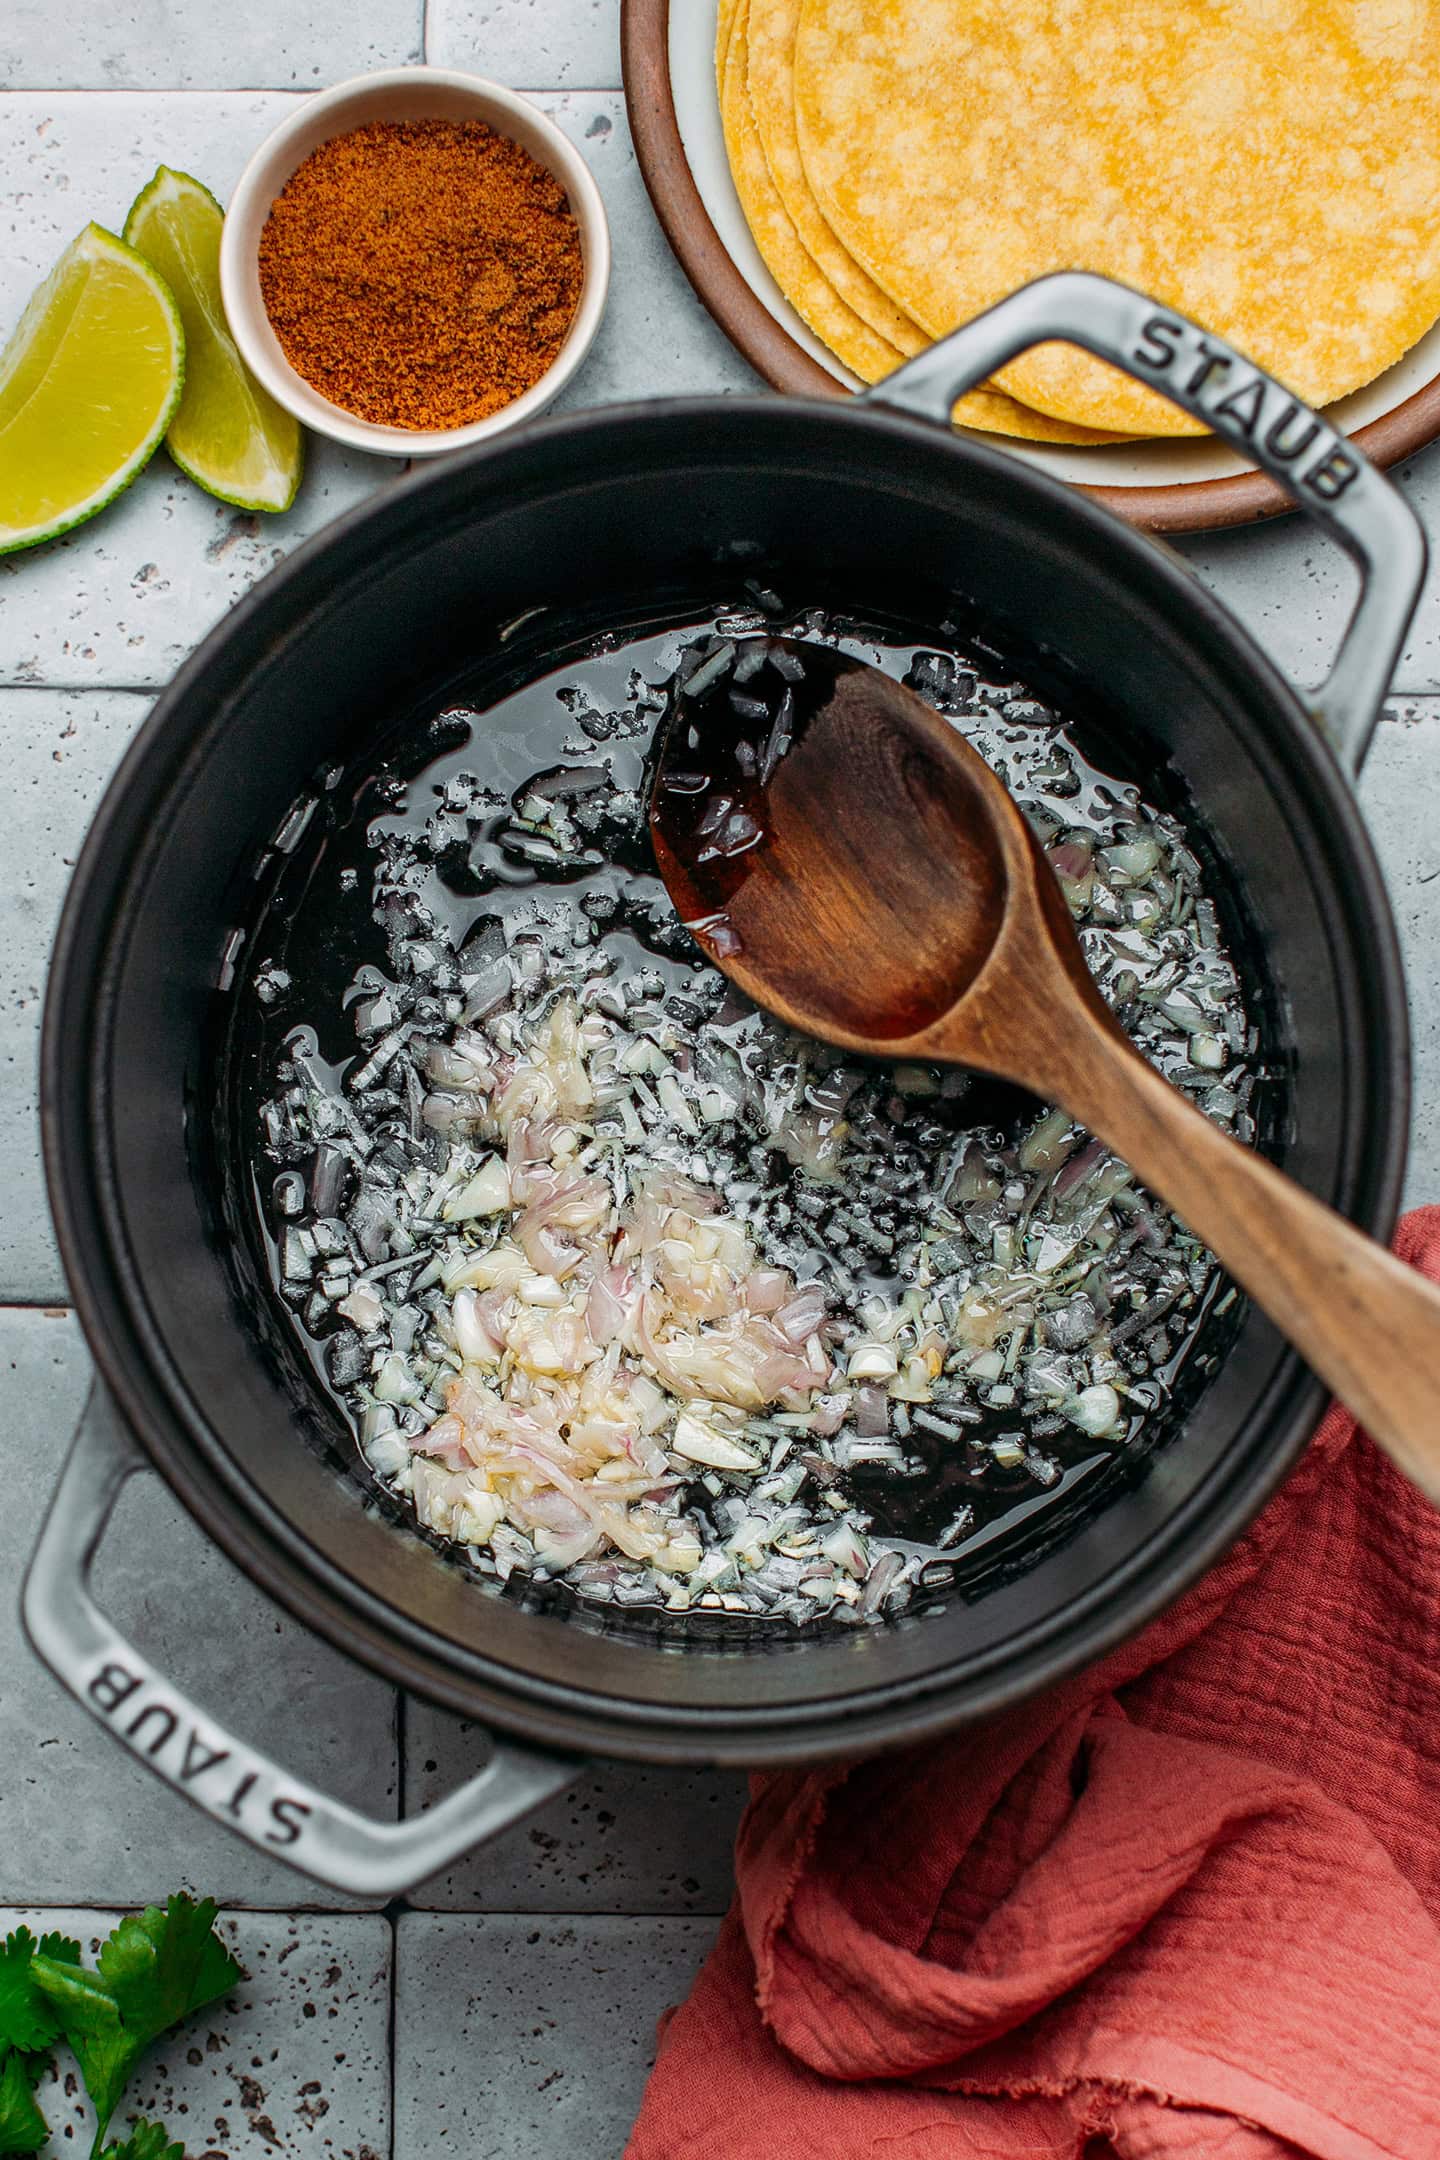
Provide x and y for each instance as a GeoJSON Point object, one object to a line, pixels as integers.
{"type": "Point", "coordinates": [1364, 1321]}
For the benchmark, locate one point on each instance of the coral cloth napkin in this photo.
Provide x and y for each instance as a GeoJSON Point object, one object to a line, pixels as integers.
{"type": "Point", "coordinates": [1186, 1907]}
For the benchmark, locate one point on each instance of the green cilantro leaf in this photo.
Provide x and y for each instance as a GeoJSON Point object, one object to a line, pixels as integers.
{"type": "Point", "coordinates": [155, 1969]}
{"type": "Point", "coordinates": [26, 2019]}
{"type": "Point", "coordinates": [162, 1967]}
{"type": "Point", "coordinates": [60, 1948]}
{"type": "Point", "coordinates": [86, 2013]}
{"type": "Point", "coordinates": [147, 2141]}
{"type": "Point", "coordinates": [23, 2129]}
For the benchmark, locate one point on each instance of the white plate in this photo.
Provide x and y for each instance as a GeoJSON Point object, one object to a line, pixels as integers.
{"type": "Point", "coordinates": [1162, 464]}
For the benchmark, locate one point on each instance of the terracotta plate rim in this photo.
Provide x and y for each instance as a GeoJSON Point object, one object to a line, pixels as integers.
{"type": "Point", "coordinates": [1184, 506]}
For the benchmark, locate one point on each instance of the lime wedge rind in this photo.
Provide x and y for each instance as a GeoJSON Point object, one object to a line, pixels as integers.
{"type": "Point", "coordinates": [229, 435]}
{"type": "Point", "coordinates": [283, 496]}
{"type": "Point", "coordinates": [33, 368]}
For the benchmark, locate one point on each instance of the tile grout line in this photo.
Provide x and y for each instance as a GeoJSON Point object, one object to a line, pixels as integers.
{"type": "Point", "coordinates": [229, 1909]}
{"type": "Point", "coordinates": [392, 2025]}
{"type": "Point", "coordinates": [399, 1908]}
{"type": "Point", "coordinates": [391, 1914]}
{"type": "Point", "coordinates": [108, 90]}
{"type": "Point", "coordinates": [550, 1917]}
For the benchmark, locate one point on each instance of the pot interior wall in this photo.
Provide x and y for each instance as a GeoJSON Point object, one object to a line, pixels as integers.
{"type": "Point", "coordinates": [610, 514]}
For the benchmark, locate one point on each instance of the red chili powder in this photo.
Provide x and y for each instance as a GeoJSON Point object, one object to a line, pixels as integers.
{"type": "Point", "coordinates": [421, 273]}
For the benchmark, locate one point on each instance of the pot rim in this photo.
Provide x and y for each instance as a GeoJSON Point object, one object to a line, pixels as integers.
{"type": "Point", "coordinates": [135, 1363]}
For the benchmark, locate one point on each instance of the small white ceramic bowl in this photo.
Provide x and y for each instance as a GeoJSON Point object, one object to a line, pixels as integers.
{"type": "Point", "coordinates": [402, 94]}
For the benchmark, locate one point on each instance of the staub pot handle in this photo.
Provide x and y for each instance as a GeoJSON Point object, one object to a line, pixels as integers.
{"type": "Point", "coordinates": [1323, 473]}
{"type": "Point", "coordinates": [183, 1744]}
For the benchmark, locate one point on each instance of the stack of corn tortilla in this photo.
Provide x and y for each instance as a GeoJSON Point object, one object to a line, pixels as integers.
{"type": "Point", "coordinates": [1270, 167]}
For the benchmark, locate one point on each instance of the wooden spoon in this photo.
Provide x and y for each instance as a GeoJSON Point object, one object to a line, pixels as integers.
{"type": "Point", "coordinates": [853, 865]}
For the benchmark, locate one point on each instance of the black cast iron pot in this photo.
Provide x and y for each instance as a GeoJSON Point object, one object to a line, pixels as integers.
{"type": "Point", "coordinates": [613, 507]}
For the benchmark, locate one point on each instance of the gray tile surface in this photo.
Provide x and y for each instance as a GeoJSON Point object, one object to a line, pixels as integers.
{"type": "Point", "coordinates": [1400, 793]}
{"type": "Point", "coordinates": [1294, 589]}
{"type": "Point", "coordinates": [80, 1821]}
{"type": "Point", "coordinates": [122, 600]}
{"type": "Point", "coordinates": [58, 753]}
{"type": "Point", "coordinates": [294, 2063]}
{"type": "Point", "coordinates": [626, 1838]}
{"type": "Point", "coordinates": [656, 340]}
{"type": "Point", "coordinates": [119, 603]}
{"type": "Point", "coordinates": [528, 41]}
{"type": "Point", "coordinates": [519, 2037]}
{"type": "Point", "coordinates": [157, 45]}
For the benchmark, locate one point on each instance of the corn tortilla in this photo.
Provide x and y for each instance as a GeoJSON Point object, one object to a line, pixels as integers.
{"type": "Point", "coordinates": [770, 27]}
{"type": "Point", "coordinates": [1271, 167]}
{"type": "Point", "coordinates": [862, 349]}
{"type": "Point", "coordinates": [852, 341]}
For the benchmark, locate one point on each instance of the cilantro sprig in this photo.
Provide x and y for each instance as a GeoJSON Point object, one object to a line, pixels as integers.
{"type": "Point", "coordinates": [22, 2126]}
{"type": "Point", "coordinates": [156, 1969]}
{"type": "Point", "coordinates": [28, 2029]}
{"type": "Point", "coordinates": [147, 2141]}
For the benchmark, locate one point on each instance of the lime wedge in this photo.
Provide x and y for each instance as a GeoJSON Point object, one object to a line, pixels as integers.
{"type": "Point", "coordinates": [88, 385]}
{"type": "Point", "coordinates": [229, 434]}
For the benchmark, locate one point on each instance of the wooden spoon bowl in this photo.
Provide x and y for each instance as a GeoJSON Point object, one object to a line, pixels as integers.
{"type": "Point", "coordinates": [788, 902]}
